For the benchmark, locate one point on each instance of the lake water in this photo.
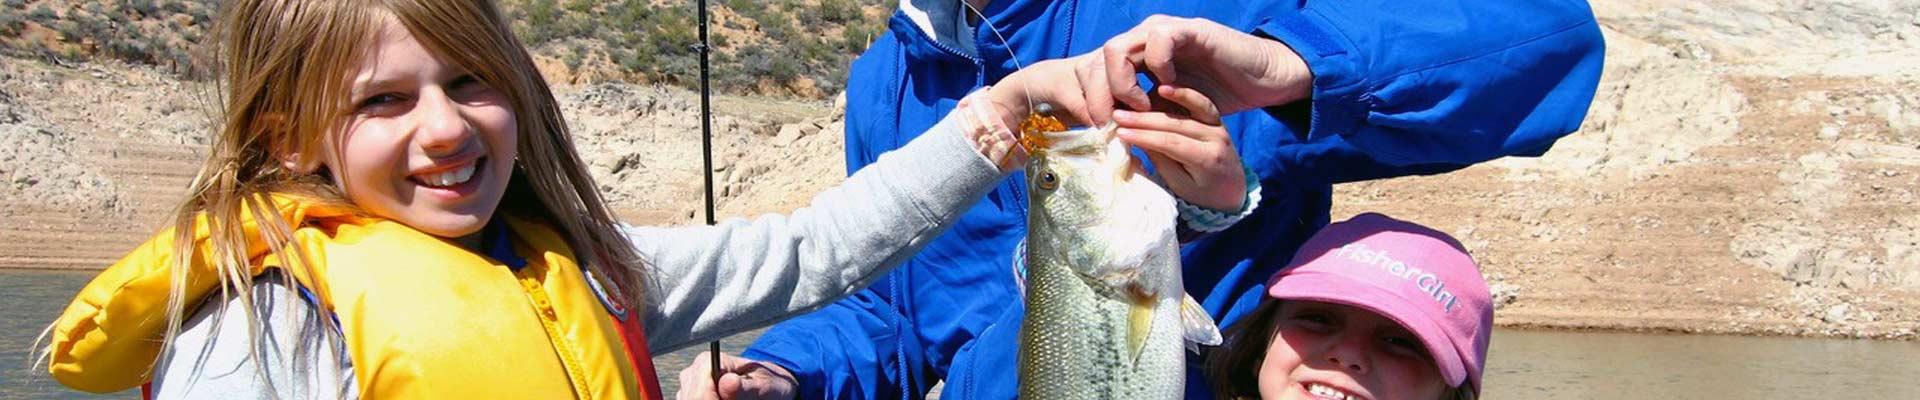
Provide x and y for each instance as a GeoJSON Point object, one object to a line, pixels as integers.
{"type": "Point", "coordinates": [1521, 364]}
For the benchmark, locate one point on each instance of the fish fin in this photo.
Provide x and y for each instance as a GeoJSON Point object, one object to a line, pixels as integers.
{"type": "Point", "coordinates": [1139, 325]}
{"type": "Point", "coordinates": [1199, 326]}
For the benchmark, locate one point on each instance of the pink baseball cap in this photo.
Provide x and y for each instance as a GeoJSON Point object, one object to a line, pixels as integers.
{"type": "Point", "coordinates": [1411, 274]}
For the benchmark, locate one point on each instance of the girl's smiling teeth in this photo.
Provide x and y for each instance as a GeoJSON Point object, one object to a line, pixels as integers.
{"type": "Point", "coordinates": [448, 177]}
{"type": "Point", "coordinates": [1329, 392]}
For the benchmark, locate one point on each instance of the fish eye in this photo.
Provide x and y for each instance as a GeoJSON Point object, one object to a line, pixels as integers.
{"type": "Point", "coordinates": [1048, 181]}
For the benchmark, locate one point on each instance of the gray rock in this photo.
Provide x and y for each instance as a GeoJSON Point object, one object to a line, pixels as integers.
{"type": "Point", "coordinates": [1804, 267]}
{"type": "Point", "coordinates": [1503, 294]}
{"type": "Point", "coordinates": [789, 133]}
{"type": "Point", "coordinates": [1836, 314]}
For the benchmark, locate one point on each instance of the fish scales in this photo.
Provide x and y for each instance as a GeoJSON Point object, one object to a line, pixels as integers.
{"type": "Point", "coordinates": [1103, 290]}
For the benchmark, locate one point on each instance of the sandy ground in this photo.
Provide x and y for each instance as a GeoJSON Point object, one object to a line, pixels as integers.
{"type": "Point", "coordinates": [1748, 167]}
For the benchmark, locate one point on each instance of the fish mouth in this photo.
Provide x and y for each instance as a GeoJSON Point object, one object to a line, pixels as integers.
{"type": "Point", "coordinates": [1035, 130]}
{"type": "Point", "coordinates": [1078, 141]}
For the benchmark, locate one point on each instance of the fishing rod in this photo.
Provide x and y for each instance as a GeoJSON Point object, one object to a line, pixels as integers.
{"type": "Point", "coordinates": [706, 159]}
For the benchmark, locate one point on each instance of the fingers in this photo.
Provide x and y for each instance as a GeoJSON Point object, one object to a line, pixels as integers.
{"type": "Point", "coordinates": [1069, 100]}
{"type": "Point", "coordinates": [1162, 41]}
{"type": "Point", "coordinates": [1189, 151]}
{"type": "Point", "coordinates": [696, 380]}
{"type": "Point", "coordinates": [1180, 148]}
{"type": "Point", "coordinates": [758, 381]}
{"type": "Point", "coordinates": [1171, 173]}
{"type": "Point", "coordinates": [1091, 71]}
{"type": "Point", "coordinates": [1152, 44]}
{"type": "Point", "coordinates": [1120, 54]}
{"type": "Point", "coordinates": [1167, 123]}
{"type": "Point", "coordinates": [1198, 106]}
{"type": "Point", "coordinates": [730, 385]}
{"type": "Point", "coordinates": [1207, 173]}
{"type": "Point", "coordinates": [1054, 82]}
{"type": "Point", "coordinates": [743, 379]}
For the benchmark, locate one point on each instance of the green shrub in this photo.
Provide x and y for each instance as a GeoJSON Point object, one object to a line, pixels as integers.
{"type": "Point", "coordinates": [130, 50]}
{"type": "Point", "coordinates": [580, 6]}
{"type": "Point", "coordinates": [70, 31]}
{"type": "Point", "coordinates": [760, 62]}
{"type": "Point", "coordinates": [574, 56]}
{"type": "Point", "coordinates": [745, 7]}
{"type": "Point", "coordinates": [43, 15]}
{"type": "Point", "coordinates": [854, 38]}
{"type": "Point", "coordinates": [145, 8]}
{"type": "Point", "coordinates": [11, 24]}
{"type": "Point", "coordinates": [818, 50]}
{"type": "Point", "coordinates": [776, 31]}
{"type": "Point", "coordinates": [635, 61]}
{"type": "Point", "coordinates": [839, 11]}
{"type": "Point", "coordinates": [202, 15]}
{"type": "Point", "coordinates": [674, 36]}
{"type": "Point", "coordinates": [541, 17]}
{"type": "Point", "coordinates": [627, 15]}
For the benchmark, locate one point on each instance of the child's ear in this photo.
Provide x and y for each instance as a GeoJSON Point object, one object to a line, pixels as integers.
{"type": "Point", "coordinates": [290, 153]}
{"type": "Point", "coordinates": [299, 163]}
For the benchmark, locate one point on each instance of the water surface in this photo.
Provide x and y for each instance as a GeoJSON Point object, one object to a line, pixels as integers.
{"type": "Point", "coordinates": [29, 300]}
{"type": "Point", "coordinates": [1574, 365]}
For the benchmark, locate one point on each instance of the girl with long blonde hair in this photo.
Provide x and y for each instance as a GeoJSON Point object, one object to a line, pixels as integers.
{"type": "Point", "coordinates": [393, 207]}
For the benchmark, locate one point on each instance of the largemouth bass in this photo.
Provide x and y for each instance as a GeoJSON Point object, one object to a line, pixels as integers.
{"type": "Point", "coordinates": [1107, 317]}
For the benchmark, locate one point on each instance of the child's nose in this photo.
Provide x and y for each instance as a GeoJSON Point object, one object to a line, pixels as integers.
{"type": "Point", "coordinates": [1349, 352]}
{"type": "Point", "coordinates": [441, 129]}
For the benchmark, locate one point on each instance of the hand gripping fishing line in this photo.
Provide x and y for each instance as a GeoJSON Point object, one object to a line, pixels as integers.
{"type": "Point", "coordinates": [1039, 115]}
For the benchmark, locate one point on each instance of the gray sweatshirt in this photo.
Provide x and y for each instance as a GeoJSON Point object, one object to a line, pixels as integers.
{"type": "Point", "coordinates": [708, 282]}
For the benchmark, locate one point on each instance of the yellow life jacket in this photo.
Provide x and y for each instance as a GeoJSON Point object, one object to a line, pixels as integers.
{"type": "Point", "coordinates": [420, 316]}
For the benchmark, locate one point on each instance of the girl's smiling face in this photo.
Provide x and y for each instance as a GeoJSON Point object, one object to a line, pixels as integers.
{"type": "Point", "coordinates": [424, 142]}
{"type": "Point", "coordinates": [1332, 351]}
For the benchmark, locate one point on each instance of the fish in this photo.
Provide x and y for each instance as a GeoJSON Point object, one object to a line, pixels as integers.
{"type": "Point", "coordinates": [1106, 314]}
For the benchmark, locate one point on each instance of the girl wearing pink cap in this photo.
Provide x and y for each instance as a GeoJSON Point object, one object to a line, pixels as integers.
{"type": "Point", "coordinates": [1370, 308]}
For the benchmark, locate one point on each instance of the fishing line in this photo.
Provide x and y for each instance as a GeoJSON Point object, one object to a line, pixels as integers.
{"type": "Point", "coordinates": [1004, 45]}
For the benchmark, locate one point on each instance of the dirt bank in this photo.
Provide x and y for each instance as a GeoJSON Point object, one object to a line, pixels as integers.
{"type": "Point", "coordinates": [1748, 167]}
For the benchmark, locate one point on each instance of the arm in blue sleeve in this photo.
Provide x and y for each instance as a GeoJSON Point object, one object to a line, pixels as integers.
{"type": "Point", "coordinates": [1445, 82]}
{"type": "Point", "coordinates": [1323, 160]}
{"type": "Point", "coordinates": [838, 352]}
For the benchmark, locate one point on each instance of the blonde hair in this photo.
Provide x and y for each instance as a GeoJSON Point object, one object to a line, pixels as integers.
{"type": "Point", "coordinates": [285, 67]}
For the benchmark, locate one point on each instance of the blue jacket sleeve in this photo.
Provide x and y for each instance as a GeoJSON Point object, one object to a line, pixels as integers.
{"type": "Point", "coordinates": [836, 352]}
{"type": "Point", "coordinates": [1423, 82]}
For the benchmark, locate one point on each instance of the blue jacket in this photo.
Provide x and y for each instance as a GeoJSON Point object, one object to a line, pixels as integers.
{"type": "Point", "coordinates": [1400, 88]}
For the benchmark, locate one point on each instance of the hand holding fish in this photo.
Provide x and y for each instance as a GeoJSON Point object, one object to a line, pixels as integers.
{"type": "Point", "coordinates": [1192, 153]}
{"type": "Point", "coordinates": [1064, 84]}
{"type": "Point", "coordinates": [1239, 71]}
{"type": "Point", "coordinates": [1053, 89]}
